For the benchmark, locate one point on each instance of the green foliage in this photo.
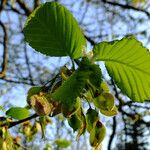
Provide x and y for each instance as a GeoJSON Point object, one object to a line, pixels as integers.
{"type": "Point", "coordinates": [71, 88]}
{"type": "Point", "coordinates": [52, 30]}
{"type": "Point", "coordinates": [91, 118]}
{"type": "Point", "coordinates": [62, 143]}
{"type": "Point", "coordinates": [111, 112]}
{"type": "Point", "coordinates": [40, 104]}
{"type": "Point", "coordinates": [18, 113]}
{"type": "Point", "coordinates": [105, 101]}
{"type": "Point", "coordinates": [32, 91]}
{"type": "Point", "coordinates": [2, 108]}
{"type": "Point", "coordinates": [128, 63]}
{"type": "Point", "coordinates": [97, 134]}
{"type": "Point", "coordinates": [75, 122]}
{"type": "Point", "coordinates": [6, 142]}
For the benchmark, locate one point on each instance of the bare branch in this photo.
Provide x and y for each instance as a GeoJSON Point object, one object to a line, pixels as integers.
{"type": "Point", "coordinates": [23, 5]}
{"type": "Point", "coordinates": [5, 41]}
{"type": "Point", "coordinates": [114, 126]}
{"type": "Point", "coordinates": [2, 4]}
{"type": "Point", "coordinates": [36, 3]}
{"type": "Point", "coordinates": [126, 7]}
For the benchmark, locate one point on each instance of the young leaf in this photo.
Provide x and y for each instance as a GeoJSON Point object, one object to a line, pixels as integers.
{"type": "Point", "coordinates": [111, 112]}
{"type": "Point", "coordinates": [32, 91]}
{"type": "Point", "coordinates": [91, 118]}
{"type": "Point", "coordinates": [128, 63]}
{"type": "Point", "coordinates": [97, 134]}
{"type": "Point", "coordinates": [75, 108]}
{"type": "Point", "coordinates": [96, 75]}
{"type": "Point", "coordinates": [40, 104]}
{"type": "Point", "coordinates": [75, 122]}
{"type": "Point", "coordinates": [105, 101]}
{"type": "Point", "coordinates": [18, 113]}
{"type": "Point", "coordinates": [71, 88]}
{"type": "Point", "coordinates": [52, 30]}
{"type": "Point", "coordinates": [62, 143]}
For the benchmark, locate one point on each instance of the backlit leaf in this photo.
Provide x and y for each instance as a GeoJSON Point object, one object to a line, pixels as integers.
{"type": "Point", "coordinates": [71, 88]}
{"type": "Point", "coordinates": [91, 118]}
{"type": "Point", "coordinates": [62, 143]}
{"type": "Point", "coordinates": [52, 30]}
{"type": "Point", "coordinates": [105, 101]}
{"type": "Point", "coordinates": [18, 113]}
{"type": "Point", "coordinates": [128, 63]}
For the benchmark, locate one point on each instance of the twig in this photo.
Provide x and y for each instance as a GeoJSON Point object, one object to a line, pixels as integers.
{"type": "Point", "coordinates": [2, 4]}
{"type": "Point", "coordinates": [114, 126]}
{"type": "Point", "coordinates": [36, 3]}
{"type": "Point", "coordinates": [126, 6]}
{"type": "Point", "coordinates": [5, 41]}
{"type": "Point", "coordinates": [11, 124]}
{"type": "Point", "coordinates": [24, 7]}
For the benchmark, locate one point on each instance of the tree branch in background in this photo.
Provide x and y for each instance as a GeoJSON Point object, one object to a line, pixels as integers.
{"type": "Point", "coordinates": [28, 64]}
{"type": "Point", "coordinates": [18, 82]}
{"type": "Point", "coordinates": [5, 40]}
{"type": "Point", "coordinates": [90, 40]}
{"type": "Point", "coordinates": [2, 4]}
{"type": "Point", "coordinates": [36, 3]}
{"type": "Point", "coordinates": [21, 121]}
{"type": "Point", "coordinates": [126, 7]}
{"type": "Point", "coordinates": [114, 126]}
{"type": "Point", "coordinates": [24, 7]}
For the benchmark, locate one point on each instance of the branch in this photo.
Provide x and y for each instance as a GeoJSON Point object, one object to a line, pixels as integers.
{"type": "Point", "coordinates": [36, 3]}
{"type": "Point", "coordinates": [18, 82]}
{"type": "Point", "coordinates": [24, 7]}
{"type": "Point", "coordinates": [5, 40]}
{"type": "Point", "coordinates": [13, 9]}
{"type": "Point", "coordinates": [126, 7]}
{"type": "Point", "coordinates": [90, 40]}
{"type": "Point", "coordinates": [28, 64]}
{"type": "Point", "coordinates": [2, 5]}
{"type": "Point", "coordinates": [11, 124]}
{"type": "Point", "coordinates": [113, 133]}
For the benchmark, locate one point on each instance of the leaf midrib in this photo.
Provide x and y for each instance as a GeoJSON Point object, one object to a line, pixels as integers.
{"type": "Point", "coordinates": [126, 64]}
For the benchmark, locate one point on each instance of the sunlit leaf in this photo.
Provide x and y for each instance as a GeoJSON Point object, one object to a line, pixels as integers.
{"type": "Point", "coordinates": [71, 88]}
{"type": "Point", "coordinates": [112, 112]}
{"type": "Point", "coordinates": [62, 143]}
{"type": "Point", "coordinates": [40, 104]}
{"type": "Point", "coordinates": [97, 134]}
{"type": "Point", "coordinates": [33, 90]}
{"type": "Point", "coordinates": [91, 118]}
{"type": "Point", "coordinates": [70, 112]}
{"type": "Point", "coordinates": [75, 122]}
{"type": "Point", "coordinates": [128, 63]}
{"type": "Point", "coordinates": [104, 101]}
{"type": "Point", "coordinates": [52, 30]}
{"type": "Point", "coordinates": [18, 113]}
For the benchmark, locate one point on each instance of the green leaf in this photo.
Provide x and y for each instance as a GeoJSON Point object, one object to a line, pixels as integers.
{"type": "Point", "coordinates": [71, 88]}
{"type": "Point", "coordinates": [40, 104]}
{"type": "Point", "coordinates": [72, 111]}
{"type": "Point", "coordinates": [112, 112]}
{"type": "Point", "coordinates": [128, 63]}
{"type": "Point", "coordinates": [2, 108]}
{"type": "Point", "coordinates": [18, 113]}
{"type": "Point", "coordinates": [105, 101]}
{"type": "Point", "coordinates": [32, 91]}
{"type": "Point", "coordinates": [52, 30]}
{"type": "Point", "coordinates": [91, 118]}
{"type": "Point", "coordinates": [62, 143]}
{"type": "Point", "coordinates": [75, 122]}
{"type": "Point", "coordinates": [97, 134]}
{"type": "Point", "coordinates": [96, 76]}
